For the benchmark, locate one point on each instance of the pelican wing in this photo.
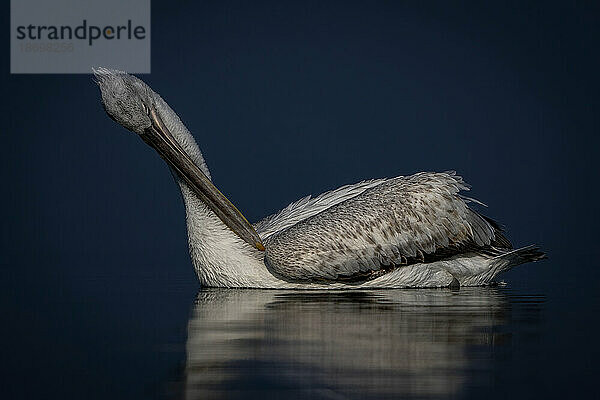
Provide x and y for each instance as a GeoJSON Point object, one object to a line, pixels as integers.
{"type": "Point", "coordinates": [393, 222]}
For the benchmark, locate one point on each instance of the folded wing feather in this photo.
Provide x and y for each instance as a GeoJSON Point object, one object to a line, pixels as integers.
{"type": "Point", "coordinates": [383, 223]}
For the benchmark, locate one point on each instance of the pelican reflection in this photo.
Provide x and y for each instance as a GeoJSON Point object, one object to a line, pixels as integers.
{"type": "Point", "coordinates": [367, 344]}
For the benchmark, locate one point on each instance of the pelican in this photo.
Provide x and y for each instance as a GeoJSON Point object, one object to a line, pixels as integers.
{"type": "Point", "coordinates": [408, 231]}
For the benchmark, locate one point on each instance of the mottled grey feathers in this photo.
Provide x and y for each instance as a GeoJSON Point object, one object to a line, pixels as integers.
{"type": "Point", "coordinates": [388, 223]}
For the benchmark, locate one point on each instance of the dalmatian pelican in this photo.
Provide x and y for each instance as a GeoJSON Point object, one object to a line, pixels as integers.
{"type": "Point", "coordinates": [407, 231]}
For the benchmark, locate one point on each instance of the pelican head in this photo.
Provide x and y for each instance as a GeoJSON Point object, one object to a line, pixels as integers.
{"type": "Point", "coordinates": [126, 99]}
{"type": "Point", "coordinates": [135, 106]}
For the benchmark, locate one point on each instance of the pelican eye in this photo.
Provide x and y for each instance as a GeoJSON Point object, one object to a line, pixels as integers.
{"type": "Point", "coordinates": [146, 108]}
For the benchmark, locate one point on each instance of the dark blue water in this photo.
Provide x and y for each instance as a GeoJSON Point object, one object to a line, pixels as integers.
{"type": "Point", "coordinates": [98, 298]}
{"type": "Point", "coordinates": [111, 334]}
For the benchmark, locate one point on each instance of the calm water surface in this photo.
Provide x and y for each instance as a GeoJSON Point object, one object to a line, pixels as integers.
{"type": "Point", "coordinates": [155, 335]}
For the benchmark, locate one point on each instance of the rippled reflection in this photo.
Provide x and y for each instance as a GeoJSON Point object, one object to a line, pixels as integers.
{"type": "Point", "coordinates": [413, 343]}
